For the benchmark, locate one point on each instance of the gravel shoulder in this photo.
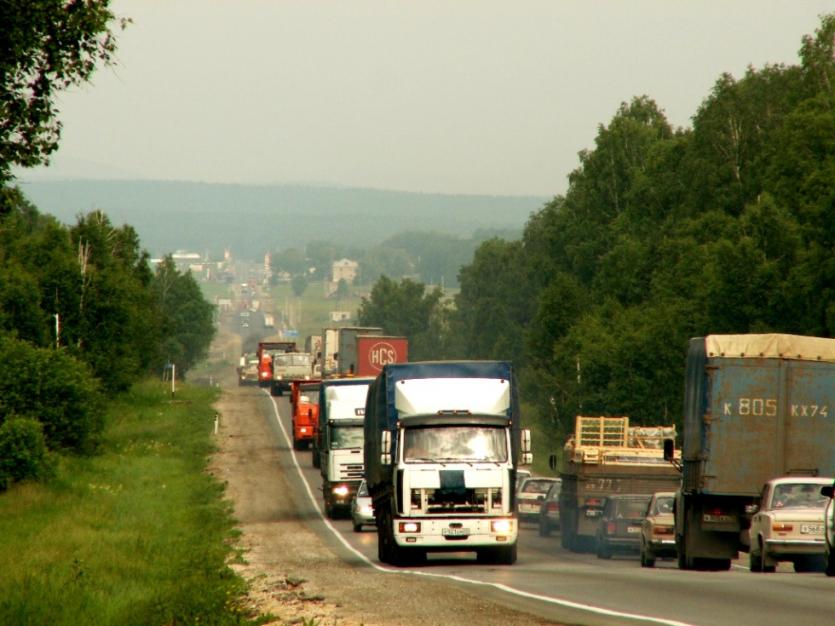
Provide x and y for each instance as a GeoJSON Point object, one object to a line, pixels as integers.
{"type": "Point", "coordinates": [295, 576]}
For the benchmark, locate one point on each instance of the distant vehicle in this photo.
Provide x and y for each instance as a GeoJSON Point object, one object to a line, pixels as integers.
{"type": "Point", "coordinates": [789, 525]}
{"type": "Point", "coordinates": [829, 532]}
{"type": "Point", "coordinates": [362, 509]}
{"type": "Point", "coordinates": [530, 494]}
{"type": "Point", "coordinates": [549, 510]}
{"type": "Point", "coordinates": [658, 529]}
{"type": "Point", "coordinates": [304, 400]}
{"type": "Point", "coordinates": [248, 370]}
{"type": "Point", "coordinates": [287, 367]}
{"type": "Point", "coordinates": [620, 524]}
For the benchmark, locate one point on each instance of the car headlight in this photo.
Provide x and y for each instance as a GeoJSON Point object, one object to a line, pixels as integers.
{"type": "Point", "coordinates": [409, 527]}
{"type": "Point", "coordinates": [367, 510]}
{"type": "Point", "coordinates": [340, 490]}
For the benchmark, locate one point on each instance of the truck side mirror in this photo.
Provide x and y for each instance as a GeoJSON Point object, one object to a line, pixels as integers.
{"type": "Point", "coordinates": [527, 458]}
{"type": "Point", "coordinates": [828, 491]}
{"type": "Point", "coordinates": [526, 441]}
{"type": "Point", "coordinates": [552, 462]}
{"type": "Point", "coordinates": [669, 450]}
{"type": "Point", "coordinates": [385, 445]}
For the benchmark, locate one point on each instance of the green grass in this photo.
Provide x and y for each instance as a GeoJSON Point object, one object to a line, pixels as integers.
{"type": "Point", "coordinates": [139, 534]}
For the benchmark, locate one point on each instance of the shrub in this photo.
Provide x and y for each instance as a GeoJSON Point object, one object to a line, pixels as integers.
{"type": "Point", "coordinates": [55, 387]}
{"type": "Point", "coordinates": [23, 452]}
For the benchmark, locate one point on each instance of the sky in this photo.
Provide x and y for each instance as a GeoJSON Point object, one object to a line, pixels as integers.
{"type": "Point", "coordinates": [451, 96]}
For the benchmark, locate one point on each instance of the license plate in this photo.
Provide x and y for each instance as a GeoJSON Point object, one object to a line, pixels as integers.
{"type": "Point", "coordinates": [455, 532]}
{"type": "Point", "coordinates": [717, 519]}
{"type": "Point", "coordinates": [633, 529]}
{"type": "Point", "coordinates": [811, 529]}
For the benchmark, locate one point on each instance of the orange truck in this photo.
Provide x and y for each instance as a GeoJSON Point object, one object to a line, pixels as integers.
{"type": "Point", "coordinates": [304, 400]}
{"type": "Point", "coordinates": [266, 351]}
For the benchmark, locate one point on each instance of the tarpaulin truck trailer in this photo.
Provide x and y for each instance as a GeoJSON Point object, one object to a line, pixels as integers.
{"type": "Point", "coordinates": [606, 456]}
{"type": "Point", "coordinates": [442, 445]}
{"type": "Point", "coordinates": [340, 440]}
{"type": "Point", "coordinates": [755, 407]}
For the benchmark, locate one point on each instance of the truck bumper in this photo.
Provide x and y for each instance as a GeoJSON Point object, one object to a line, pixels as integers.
{"type": "Point", "coordinates": [455, 534]}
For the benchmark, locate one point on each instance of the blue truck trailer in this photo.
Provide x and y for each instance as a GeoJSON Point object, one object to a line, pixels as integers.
{"type": "Point", "coordinates": [756, 407]}
{"type": "Point", "coordinates": [442, 445]}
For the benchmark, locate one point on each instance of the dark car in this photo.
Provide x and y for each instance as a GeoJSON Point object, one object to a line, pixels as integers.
{"type": "Point", "coordinates": [620, 524]}
{"type": "Point", "coordinates": [549, 510]}
{"type": "Point", "coordinates": [530, 493]}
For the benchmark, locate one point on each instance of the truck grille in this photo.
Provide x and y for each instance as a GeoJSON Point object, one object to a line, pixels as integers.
{"type": "Point", "coordinates": [351, 471]}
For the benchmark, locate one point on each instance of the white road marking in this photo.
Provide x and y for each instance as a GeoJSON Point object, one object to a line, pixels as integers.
{"type": "Point", "coordinates": [518, 592]}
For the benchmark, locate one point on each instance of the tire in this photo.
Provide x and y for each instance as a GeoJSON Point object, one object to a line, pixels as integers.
{"type": "Point", "coordinates": [603, 551]}
{"type": "Point", "coordinates": [765, 564]}
{"type": "Point", "coordinates": [506, 555]}
{"type": "Point", "coordinates": [647, 557]}
{"type": "Point", "coordinates": [357, 527]}
{"type": "Point", "coordinates": [829, 569]}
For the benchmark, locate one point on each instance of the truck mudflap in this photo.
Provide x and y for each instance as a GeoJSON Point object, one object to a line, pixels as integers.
{"type": "Point", "coordinates": [455, 534]}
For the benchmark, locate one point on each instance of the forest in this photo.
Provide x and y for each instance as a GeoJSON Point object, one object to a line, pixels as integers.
{"type": "Point", "coordinates": [663, 234]}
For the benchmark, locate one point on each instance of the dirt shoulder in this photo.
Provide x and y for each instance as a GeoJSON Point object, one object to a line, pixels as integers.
{"type": "Point", "coordinates": [293, 574]}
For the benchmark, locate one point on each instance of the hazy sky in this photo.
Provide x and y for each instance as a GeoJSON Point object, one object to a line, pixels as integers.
{"type": "Point", "coordinates": [460, 96]}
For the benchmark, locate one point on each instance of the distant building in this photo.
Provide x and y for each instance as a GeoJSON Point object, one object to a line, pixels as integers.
{"type": "Point", "coordinates": [340, 316]}
{"type": "Point", "coordinates": [344, 269]}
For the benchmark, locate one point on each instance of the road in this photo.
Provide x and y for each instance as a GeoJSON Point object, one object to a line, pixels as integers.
{"type": "Point", "coordinates": [560, 585]}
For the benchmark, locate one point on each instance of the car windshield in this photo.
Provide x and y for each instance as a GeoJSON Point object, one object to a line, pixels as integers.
{"type": "Point", "coordinates": [798, 495]}
{"type": "Point", "coordinates": [663, 505]}
{"type": "Point", "coordinates": [347, 437]}
{"type": "Point", "coordinates": [537, 486]}
{"type": "Point", "coordinates": [363, 490]}
{"type": "Point", "coordinates": [455, 443]}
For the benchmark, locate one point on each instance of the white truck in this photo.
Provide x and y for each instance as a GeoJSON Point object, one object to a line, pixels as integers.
{"type": "Point", "coordinates": [442, 445]}
{"type": "Point", "coordinates": [290, 366]}
{"type": "Point", "coordinates": [340, 440]}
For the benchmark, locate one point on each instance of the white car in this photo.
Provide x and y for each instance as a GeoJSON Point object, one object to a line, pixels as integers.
{"type": "Point", "coordinates": [788, 525]}
{"type": "Point", "coordinates": [829, 493]}
{"type": "Point", "coordinates": [362, 509]}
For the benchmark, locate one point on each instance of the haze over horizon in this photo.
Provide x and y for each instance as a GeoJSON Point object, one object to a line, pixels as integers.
{"type": "Point", "coordinates": [473, 97]}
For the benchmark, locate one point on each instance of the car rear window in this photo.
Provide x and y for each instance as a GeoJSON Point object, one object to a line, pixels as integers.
{"type": "Point", "coordinates": [537, 486]}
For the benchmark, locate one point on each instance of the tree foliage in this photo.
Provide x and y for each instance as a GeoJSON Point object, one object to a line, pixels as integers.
{"type": "Point", "coordinates": [663, 234]}
{"type": "Point", "coordinates": [47, 45]}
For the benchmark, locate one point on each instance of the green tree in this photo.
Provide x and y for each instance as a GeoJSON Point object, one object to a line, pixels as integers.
{"type": "Point", "coordinates": [299, 285]}
{"type": "Point", "coordinates": [47, 47]}
{"type": "Point", "coordinates": [406, 309]}
{"type": "Point", "coordinates": [186, 324]}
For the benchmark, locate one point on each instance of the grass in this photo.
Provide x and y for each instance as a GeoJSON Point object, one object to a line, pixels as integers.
{"type": "Point", "coordinates": [139, 534]}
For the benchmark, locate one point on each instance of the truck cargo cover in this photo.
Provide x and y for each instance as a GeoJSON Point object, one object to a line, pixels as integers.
{"type": "Point", "coordinates": [771, 346]}
{"type": "Point", "coordinates": [489, 396]}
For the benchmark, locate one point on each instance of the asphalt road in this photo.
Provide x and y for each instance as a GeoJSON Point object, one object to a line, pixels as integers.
{"type": "Point", "coordinates": [579, 588]}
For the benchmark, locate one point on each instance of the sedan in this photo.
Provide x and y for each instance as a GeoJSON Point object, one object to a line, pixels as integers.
{"type": "Point", "coordinates": [530, 494]}
{"type": "Point", "coordinates": [657, 529]}
{"type": "Point", "coordinates": [362, 510]}
{"type": "Point", "coordinates": [549, 510]}
{"type": "Point", "coordinates": [829, 532]}
{"type": "Point", "coordinates": [620, 524]}
{"type": "Point", "coordinates": [788, 524]}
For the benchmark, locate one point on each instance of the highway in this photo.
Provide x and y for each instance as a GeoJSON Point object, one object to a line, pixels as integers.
{"type": "Point", "coordinates": [563, 586]}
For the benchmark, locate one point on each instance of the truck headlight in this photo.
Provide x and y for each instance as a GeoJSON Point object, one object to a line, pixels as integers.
{"type": "Point", "coordinates": [501, 526]}
{"type": "Point", "coordinates": [340, 490]}
{"type": "Point", "coordinates": [409, 527]}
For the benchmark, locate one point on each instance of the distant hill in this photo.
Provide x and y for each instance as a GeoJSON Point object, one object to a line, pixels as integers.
{"type": "Point", "coordinates": [252, 219]}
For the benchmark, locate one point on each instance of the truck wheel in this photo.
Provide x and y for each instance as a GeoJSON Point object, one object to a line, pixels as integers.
{"type": "Point", "coordinates": [506, 555]}
{"type": "Point", "coordinates": [830, 564]}
{"type": "Point", "coordinates": [357, 527]}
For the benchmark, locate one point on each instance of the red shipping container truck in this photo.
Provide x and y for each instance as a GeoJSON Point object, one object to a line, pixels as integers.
{"type": "Point", "coordinates": [375, 351]}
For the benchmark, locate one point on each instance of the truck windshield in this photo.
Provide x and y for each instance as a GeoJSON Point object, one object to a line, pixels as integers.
{"type": "Point", "coordinates": [347, 437]}
{"type": "Point", "coordinates": [455, 443]}
{"type": "Point", "coordinates": [312, 393]}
